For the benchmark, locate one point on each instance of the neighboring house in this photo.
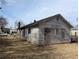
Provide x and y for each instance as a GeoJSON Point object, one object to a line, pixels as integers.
{"type": "Point", "coordinates": [13, 31]}
{"type": "Point", "coordinates": [54, 29]}
{"type": "Point", "coordinates": [74, 34]}
{"type": "Point", "coordinates": [0, 29]}
{"type": "Point", "coordinates": [6, 30]}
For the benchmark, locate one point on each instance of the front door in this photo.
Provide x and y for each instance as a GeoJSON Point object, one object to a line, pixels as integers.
{"type": "Point", "coordinates": [23, 33]}
{"type": "Point", "coordinates": [47, 36]}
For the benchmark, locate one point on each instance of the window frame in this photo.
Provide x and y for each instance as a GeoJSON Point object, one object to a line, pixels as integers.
{"type": "Point", "coordinates": [29, 30]}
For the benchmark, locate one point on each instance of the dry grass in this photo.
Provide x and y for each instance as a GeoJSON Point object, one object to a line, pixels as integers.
{"type": "Point", "coordinates": [12, 48]}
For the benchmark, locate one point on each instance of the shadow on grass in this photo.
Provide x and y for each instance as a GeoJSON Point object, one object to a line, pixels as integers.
{"type": "Point", "coordinates": [5, 42]}
{"type": "Point", "coordinates": [30, 53]}
{"type": "Point", "coordinates": [25, 51]}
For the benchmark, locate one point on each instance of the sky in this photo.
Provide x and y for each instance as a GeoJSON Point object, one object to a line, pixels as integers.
{"type": "Point", "coordinates": [29, 10]}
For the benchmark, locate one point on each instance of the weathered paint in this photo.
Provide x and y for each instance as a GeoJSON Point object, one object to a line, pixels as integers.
{"type": "Point", "coordinates": [35, 35]}
{"type": "Point", "coordinates": [52, 37]}
{"type": "Point", "coordinates": [38, 35]}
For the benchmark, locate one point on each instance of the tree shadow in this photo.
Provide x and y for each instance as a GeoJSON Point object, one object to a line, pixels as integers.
{"type": "Point", "coordinates": [4, 42]}
{"type": "Point", "coordinates": [28, 51]}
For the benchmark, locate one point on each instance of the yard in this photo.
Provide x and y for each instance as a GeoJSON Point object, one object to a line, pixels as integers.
{"type": "Point", "coordinates": [13, 48]}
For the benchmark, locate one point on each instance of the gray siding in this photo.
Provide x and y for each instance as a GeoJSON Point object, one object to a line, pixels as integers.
{"type": "Point", "coordinates": [59, 32]}
{"type": "Point", "coordinates": [53, 24]}
{"type": "Point", "coordinates": [35, 35]}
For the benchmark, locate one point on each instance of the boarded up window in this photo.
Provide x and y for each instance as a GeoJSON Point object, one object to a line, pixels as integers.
{"type": "Point", "coordinates": [62, 33]}
{"type": "Point", "coordinates": [56, 31]}
{"type": "Point", "coordinates": [29, 30]}
{"type": "Point", "coordinates": [23, 33]}
{"type": "Point", "coordinates": [26, 32]}
{"type": "Point", "coordinates": [47, 30]}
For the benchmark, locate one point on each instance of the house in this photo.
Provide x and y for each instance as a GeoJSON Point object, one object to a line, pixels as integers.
{"type": "Point", "coordinates": [6, 30]}
{"type": "Point", "coordinates": [74, 34]}
{"type": "Point", "coordinates": [13, 31]}
{"type": "Point", "coordinates": [74, 31]}
{"type": "Point", "coordinates": [54, 29]}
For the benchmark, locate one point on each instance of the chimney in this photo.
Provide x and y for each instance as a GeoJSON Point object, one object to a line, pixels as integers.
{"type": "Point", "coordinates": [34, 21]}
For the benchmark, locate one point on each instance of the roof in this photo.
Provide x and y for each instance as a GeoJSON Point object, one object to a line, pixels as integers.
{"type": "Point", "coordinates": [46, 19]}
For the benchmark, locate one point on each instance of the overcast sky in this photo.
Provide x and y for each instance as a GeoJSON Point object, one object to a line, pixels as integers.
{"type": "Point", "coordinates": [29, 10]}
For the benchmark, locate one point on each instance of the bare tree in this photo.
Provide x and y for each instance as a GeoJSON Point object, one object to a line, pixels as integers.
{"type": "Point", "coordinates": [18, 24]}
{"type": "Point", "coordinates": [3, 23]}
{"type": "Point", "coordinates": [2, 2]}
